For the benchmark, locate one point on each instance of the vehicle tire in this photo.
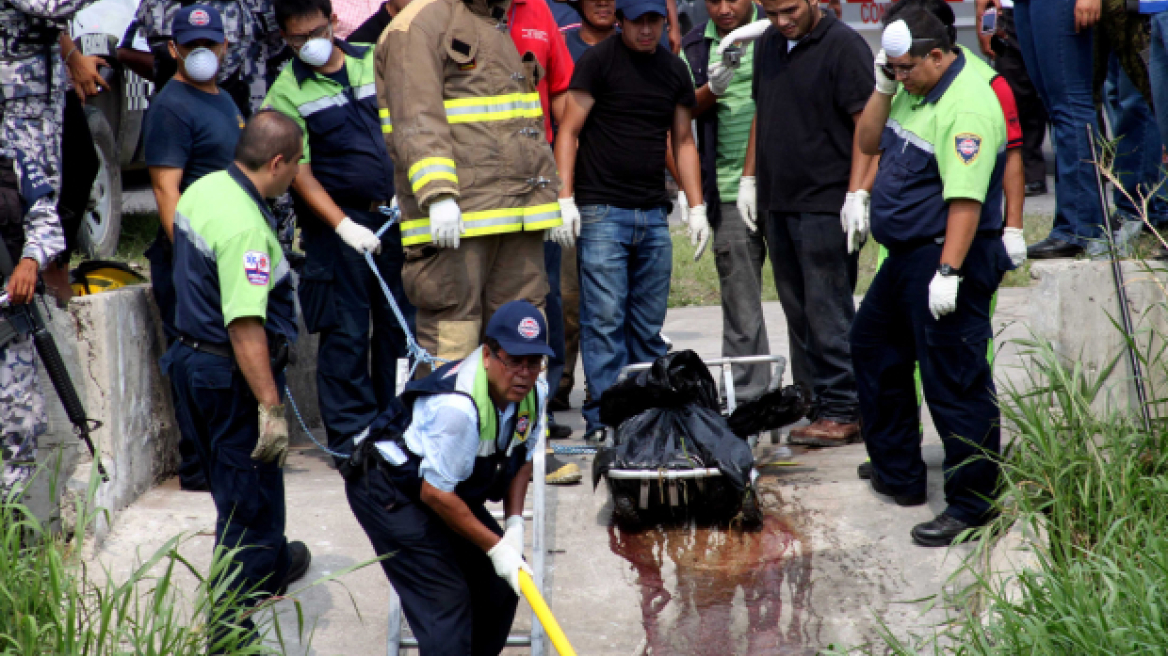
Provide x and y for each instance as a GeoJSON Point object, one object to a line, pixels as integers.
{"type": "Point", "coordinates": [102, 224]}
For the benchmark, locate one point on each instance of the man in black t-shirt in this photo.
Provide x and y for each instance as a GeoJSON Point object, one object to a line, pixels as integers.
{"type": "Point", "coordinates": [627, 95]}
{"type": "Point", "coordinates": [812, 75]}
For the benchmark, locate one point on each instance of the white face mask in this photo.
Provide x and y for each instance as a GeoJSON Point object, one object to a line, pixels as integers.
{"type": "Point", "coordinates": [201, 65]}
{"type": "Point", "coordinates": [316, 52]}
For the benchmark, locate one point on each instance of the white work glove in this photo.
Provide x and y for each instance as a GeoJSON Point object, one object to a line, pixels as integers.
{"type": "Point", "coordinates": [720, 77]}
{"type": "Point", "coordinates": [508, 562]}
{"type": "Point", "coordinates": [883, 84]}
{"type": "Point", "coordinates": [1015, 245]}
{"type": "Point", "coordinates": [943, 294]}
{"type": "Point", "coordinates": [513, 535]}
{"type": "Point", "coordinates": [744, 34]}
{"type": "Point", "coordinates": [566, 233]}
{"type": "Point", "coordinates": [445, 223]}
{"type": "Point", "coordinates": [854, 219]}
{"type": "Point", "coordinates": [273, 442]}
{"type": "Point", "coordinates": [362, 239]}
{"type": "Point", "coordinates": [699, 229]}
{"type": "Point", "coordinates": [683, 207]}
{"type": "Point", "coordinates": [748, 203]}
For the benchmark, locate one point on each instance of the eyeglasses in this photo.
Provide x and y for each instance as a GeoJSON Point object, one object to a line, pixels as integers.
{"type": "Point", "coordinates": [531, 363]}
{"type": "Point", "coordinates": [298, 40]}
{"type": "Point", "coordinates": [894, 71]}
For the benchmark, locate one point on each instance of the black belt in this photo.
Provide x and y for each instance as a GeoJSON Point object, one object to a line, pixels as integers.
{"type": "Point", "coordinates": [221, 350]}
{"type": "Point", "coordinates": [278, 347]}
{"type": "Point", "coordinates": [917, 242]}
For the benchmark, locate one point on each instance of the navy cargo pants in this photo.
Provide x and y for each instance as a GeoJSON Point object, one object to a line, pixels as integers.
{"type": "Point", "coordinates": [339, 297]}
{"type": "Point", "coordinates": [451, 596]}
{"type": "Point", "coordinates": [248, 494]}
{"type": "Point", "coordinates": [894, 330]}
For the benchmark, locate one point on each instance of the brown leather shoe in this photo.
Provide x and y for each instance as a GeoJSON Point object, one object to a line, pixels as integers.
{"type": "Point", "coordinates": [825, 432]}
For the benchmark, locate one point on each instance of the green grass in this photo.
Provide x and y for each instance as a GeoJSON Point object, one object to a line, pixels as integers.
{"type": "Point", "coordinates": [696, 283]}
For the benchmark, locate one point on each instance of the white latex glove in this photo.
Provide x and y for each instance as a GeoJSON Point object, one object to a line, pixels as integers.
{"type": "Point", "coordinates": [883, 84]}
{"type": "Point", "coordinates": [744, 34]}
{"type": "Point", "coordinates": [854, 219]}
{"type": "Point", "coordinates": [683, 207]}
{"type": "Point", "coordinates": [508, 562]}
{"type": "Point", "coordinates": [748, 203]}
{"type": "Point", "coordinates": [566, 233]}
{"type": "Point", "coordinates": [272, 445]}
{"type": "Point", "coordinates": [1015, 245]}
{"type": "Point", "coordinates": [943, 294]}
{"type": "Point", "coordinates": [362, 239]}
{"type": "Point", "coordinates": [720, 77]}
{"type": "Point", "coordinates": [513, 535]}
{"type": "Point", "coordinates": [699, 230]}
{"type": "Point", "coordinates": [445, 223]}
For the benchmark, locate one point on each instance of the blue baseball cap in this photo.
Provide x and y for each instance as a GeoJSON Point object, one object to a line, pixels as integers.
{"type": "Point", "coordinates": [634, 9]}
{"type": "Point", "coordinates": [520, 329]}
{"type": "Point", "coordinates": [195, 22]}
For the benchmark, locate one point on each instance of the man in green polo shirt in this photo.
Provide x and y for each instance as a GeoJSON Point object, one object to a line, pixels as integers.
{"type": "Point", "coordinates": [937, 207]}
{"type": "Point", "coordinates": [724, 113]}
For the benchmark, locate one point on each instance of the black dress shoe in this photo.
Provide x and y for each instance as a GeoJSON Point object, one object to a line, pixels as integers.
{"type": "Point", "coordinates": [1035, 188]}
{"type": "Point", "coordinates": [558, 431]}
{"type": "Point", "coordinates": [1052, 248]}
{"type": "Point", "coordinates": [940, 532]}
{"type": "Point", "coordinates": [901, 499]}
{"type": "Point", "coordinates": [864, 471]}
{"type": "Point", "coordinates": [299, 558]}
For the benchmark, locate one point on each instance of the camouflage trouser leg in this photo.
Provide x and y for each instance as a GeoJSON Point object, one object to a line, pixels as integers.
{"type": "Point", "coordinates": [22, 411]}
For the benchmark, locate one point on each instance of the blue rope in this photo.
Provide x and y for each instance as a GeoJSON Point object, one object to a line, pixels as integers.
{"type": "Point", "coordinates": [573, 450]}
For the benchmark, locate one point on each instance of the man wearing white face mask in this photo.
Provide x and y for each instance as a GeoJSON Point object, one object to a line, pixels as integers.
{"type": "Point", "coordinates": [191, 130]}
{"type": "Point", "coordinates": [345, 176]}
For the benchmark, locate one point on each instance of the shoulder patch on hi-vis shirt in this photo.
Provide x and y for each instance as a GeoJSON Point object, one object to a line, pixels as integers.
{"type": "Point", "coordinates": [968, 146]}
{"type": "Point", "coordinates": [258, 267]}
{"type": "Point", "coordinates": [521, 426]}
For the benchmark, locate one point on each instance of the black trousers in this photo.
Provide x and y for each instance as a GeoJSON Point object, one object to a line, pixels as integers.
{"type": "Point", "coordinates": [79, 167]}
{"type": "Point", "coordinates": [893, 331]}
{"type": "Point", "coordinates": [451, 596]}
{"type": "Point", "coordinates": [1031, 112]}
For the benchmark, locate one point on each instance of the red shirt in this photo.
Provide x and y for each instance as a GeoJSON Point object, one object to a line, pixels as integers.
{"type": "Point", "coordinates": [534, 30]}
{"type": "Point", "coordinates": [1009, 110]}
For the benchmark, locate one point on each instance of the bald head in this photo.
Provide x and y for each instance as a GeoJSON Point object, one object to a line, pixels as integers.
{"type": "Point", "coordinates": [267, 135]}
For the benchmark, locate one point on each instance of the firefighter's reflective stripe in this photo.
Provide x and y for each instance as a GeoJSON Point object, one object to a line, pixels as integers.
{"type": "Point", "coordinates": [386, 124]}
{"type": "Point", "coordinates": [493, 108]}
{"type": "Point", "coordinates": [489, 222]}
{"type": "Point", "coordinates": [430, 169]}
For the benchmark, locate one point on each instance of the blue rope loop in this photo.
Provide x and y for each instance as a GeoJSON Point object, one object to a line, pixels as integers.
{"type": "Point", "coordinates": [565, 450]}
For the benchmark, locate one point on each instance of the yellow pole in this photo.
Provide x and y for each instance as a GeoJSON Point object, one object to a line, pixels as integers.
{"type": "Point", "coordinates": [550, 625]}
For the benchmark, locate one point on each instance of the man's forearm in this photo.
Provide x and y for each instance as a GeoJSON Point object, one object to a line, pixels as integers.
{"type": "Point", "coordinates": [689, 167]}
{"type": "Point", "coordinates": [167, 201]}
{"type": "Point", "coordinates": [964, 216]}
{"type": "Point", "coordinates": [871, 123]}
{"type": "Point", "coordinates": [705, 100]}
{"type": "Point", "coordinates": [565, 152]}
{"type": "Point", "coordinates": [861, 166]}
{"type": "Point", "coordinates": [317, 198]}
{"type": "Point", "coordinates": [249, 343]}
{"type": "Point", "coordinates": [748, 164]}
{"type": "Point", "coordinates": [1014, 188]}
{"type": "Point", "coordinates": [517, 492]}
{"type": "Point", "coordinates": [457, 515]}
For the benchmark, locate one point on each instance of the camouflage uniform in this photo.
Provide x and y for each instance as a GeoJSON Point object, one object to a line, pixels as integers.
{"type": "Point", "coordinates": [32, 106]}
{"type": "Point", "coordinates": [252, 38]}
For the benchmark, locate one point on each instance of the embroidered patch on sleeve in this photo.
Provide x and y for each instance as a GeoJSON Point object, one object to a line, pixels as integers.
{"type": "Point", "coordinates": [258, 267]}
{"type": "Point", "coordinates": [968, 147]}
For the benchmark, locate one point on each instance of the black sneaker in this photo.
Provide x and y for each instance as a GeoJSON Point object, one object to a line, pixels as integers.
{"type": "Point", "coordinates": [558, 431]}
{"type": "Point", "coordinates": [299, 558]}
{"type": "Point", "coordinates": [941, 531]}
{"type": "Point", "coordinates": [900, 499]}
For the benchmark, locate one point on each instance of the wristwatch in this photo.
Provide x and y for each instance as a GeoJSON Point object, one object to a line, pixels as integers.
{"type": "Point", "coordinates": [946, 271]}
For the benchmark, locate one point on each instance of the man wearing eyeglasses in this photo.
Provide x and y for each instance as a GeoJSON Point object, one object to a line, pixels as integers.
{"type": "Point", "coordinates": [417, 483]}
{"type": "Point", "coordinates": [937, 207]}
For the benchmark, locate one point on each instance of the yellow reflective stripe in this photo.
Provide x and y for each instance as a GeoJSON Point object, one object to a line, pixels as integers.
{"type": "Point", "coordinates": [432, 168]}
{"type": "Point", "coordinates": [430, 177]}
{"type": "Point", "coordinates": [416, 231]}
{"type": "Point", "coordinates": [542, 217]}
{"type": "Point", "coordinates": [493, 108]}
{"type": "Point", "coordinates": [489, 222]}
{"type": "Point", "coordinates": [386, 124]}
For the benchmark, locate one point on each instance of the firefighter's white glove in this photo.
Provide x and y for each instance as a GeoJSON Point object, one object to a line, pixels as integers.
{"type": "Point", "coordinates": [720, 77]}
{"type": "Point", "coordinates": [1015, 245]}
{"type": "Point", "coordinates": [883, 84]}
{"type": "Point", "coordinates": [744, 34]}
{"type": "Point", "coordinates": [566, 233]}
{"type": "Point", "coordinates": [748, 203]}
{"type": "Point", "coordinates": [508, 562]}
{"type": "Point", "coordinates": [699, 230]}
{"type": "Point", "coordinates": [272, 445]}
{"type": "Point", "coordinates": [854, 219]}
{"type": "Point", "coordinates": [943, 294]}
{"type": "Point", "coordinates": [683, 208]}
{"type": "Point", "coordinates": [445, 223]}
{"type": "Point", "coordinates": [362, 239]}
{"type": "Point", "coordinates": [513, 535]}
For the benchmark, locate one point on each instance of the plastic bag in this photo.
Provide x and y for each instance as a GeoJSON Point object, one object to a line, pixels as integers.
{"type": "Point", "coordinates": [772, 410]}
{"type": "Point", "coordinates": [675, 380]}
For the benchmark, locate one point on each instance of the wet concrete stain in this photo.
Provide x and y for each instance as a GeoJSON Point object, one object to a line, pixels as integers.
{"type": "Point", "coordinates": [710, 590]}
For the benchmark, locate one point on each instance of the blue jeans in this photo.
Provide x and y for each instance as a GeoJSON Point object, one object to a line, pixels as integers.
{"type": "Point", "coordinates": [1139, 150]}
{"type": "Point", "coordinates": [1158, 71]}
{"type": "Point", "coordinates": [554, 310]}
{"type": "Point", "coordinates": [1060, 64]}
{"type": "Point", "coordinates": [626, 259]}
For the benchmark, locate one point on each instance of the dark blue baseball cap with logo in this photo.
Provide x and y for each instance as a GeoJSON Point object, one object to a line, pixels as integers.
{"type": "Point", "coordinates": [520, 329]}
{"type": "Point", "coordinates": [634, 9]}
{"type": "Point", "coordinates": [195, 22]}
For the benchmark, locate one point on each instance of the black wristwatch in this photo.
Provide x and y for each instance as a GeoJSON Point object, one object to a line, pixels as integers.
{"type": "Point", "coordinates": [947, 271]}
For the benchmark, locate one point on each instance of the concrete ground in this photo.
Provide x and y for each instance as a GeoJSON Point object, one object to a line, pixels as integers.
{"type": "Point", "coordinates": [833, 561]}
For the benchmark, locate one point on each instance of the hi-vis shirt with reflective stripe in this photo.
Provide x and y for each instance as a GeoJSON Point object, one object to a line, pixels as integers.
{"type": "Point", "coordinates": [473, 125]}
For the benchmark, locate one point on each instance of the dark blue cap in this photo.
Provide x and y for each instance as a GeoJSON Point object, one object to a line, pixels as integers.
{"type": "Point", "coordinates": [520, 329]}
{"type": "Point", "coordinates": [634, 9]}
{"type": "Point", "coordinates": [195, 22]}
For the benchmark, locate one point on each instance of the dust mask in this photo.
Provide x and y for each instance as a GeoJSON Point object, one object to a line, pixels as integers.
{"type": "Point", "coordinates": [201, 65]}
{"type": "Point", "coordinates": [897, 40]}
{"type": "Point", "coordinates": [316, 52]}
